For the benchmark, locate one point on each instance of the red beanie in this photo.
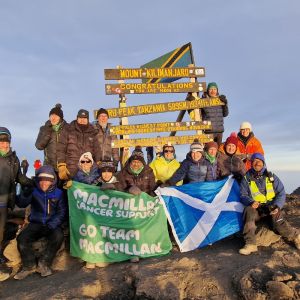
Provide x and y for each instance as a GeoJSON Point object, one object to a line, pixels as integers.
{"type": "Point", "coordinates": [232, 140]}
{"type": "Point", "coordinates": [211, 145]}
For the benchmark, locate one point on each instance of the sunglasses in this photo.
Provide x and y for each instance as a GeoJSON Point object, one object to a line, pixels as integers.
{"type": "Point", "coordinates": [85, 161]}
{"type": "Point", "coordinates": [168, 151]}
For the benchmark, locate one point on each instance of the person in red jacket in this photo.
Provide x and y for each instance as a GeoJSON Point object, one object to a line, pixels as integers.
{"type": "Point", "coordinates": [248, 143]}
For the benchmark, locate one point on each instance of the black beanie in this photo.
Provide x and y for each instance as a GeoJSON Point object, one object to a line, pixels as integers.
{"type": "Point", "coordinates": [102, 111]}
{"type": "Point", "coordinates": [57, 111]}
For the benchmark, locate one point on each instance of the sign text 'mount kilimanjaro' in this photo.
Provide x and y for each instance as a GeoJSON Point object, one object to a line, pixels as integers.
{"type": "Point", "coordinates": [174, 140]}
{"type": "Point", "coordinates": [154, 88]}
{"type": "Point", "coordinates": [161, 107]}
{"type": "Point", "coordinates": [154, 73]}
{"type": "Point", "coordinates": [159, 127]}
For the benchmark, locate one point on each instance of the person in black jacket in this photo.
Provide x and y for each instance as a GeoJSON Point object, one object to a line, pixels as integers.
{"type": "Point", "coordinates": [10, 175]}
{"type": "Point", "coordinates": [48, 212]}
{"type": "Point", "coordinates": [215, 114]}
{"type": "Point", "coordinates": [50, 134]}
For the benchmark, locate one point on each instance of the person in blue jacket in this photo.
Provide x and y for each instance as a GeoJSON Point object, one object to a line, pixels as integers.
{"type": "Point", "coordinates": [48, 212]}
{"type": "Point", "coordinates": [193, 169]}
{"type": "Point", "coordinates": [263, 195]}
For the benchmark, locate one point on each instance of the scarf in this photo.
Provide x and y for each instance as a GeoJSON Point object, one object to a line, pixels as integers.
{"type": "Point", "coordinates": [137, 172]}
{"type": "Point", "coordinates": [245, 139]}
{"type": "Point", "coordinates": [211, 159]}
{"type": "Point", "coordinates": [56, 127]}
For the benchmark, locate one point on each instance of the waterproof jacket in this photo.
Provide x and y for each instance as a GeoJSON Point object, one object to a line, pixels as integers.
{"type": "Point", "coordinates": [91, 178]}
{"type": "Point", "coordinates": [190, 171]}
{"type": "Point", "coordinates": [163, 169]}
{"type": "Point", "coordinates": [216, 115]}
{"type": "Point", "coordinates": [214, 169]}
{"type": "Point", "coordinates": [10, 175]}
{"type": "Point", "coordinates": [73, 143]}
{"type": "Point", "coordinates": [232, 165]}
{"type": "Point", "coordinates": [47, 208]}
{"type": "Point", "coordinates": [145, 180]}
{"type": "Point", "coordinates": [104, 139]}
{"type": "Point", "coordinates": [252, 145]}
{"type": "Point", "coordinates": [47, 140]}
{"type": "Point", "coordinates": [246, 197]}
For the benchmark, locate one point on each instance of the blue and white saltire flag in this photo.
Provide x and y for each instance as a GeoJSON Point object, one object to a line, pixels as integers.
{"type": "Point", "coordinates": [202, 213]}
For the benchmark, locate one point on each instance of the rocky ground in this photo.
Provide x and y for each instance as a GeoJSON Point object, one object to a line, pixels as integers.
{"type": "Point", "coordinates": [215, 272]}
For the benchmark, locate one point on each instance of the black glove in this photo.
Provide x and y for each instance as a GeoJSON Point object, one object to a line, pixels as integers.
{"type": "Point", "coordinates": [223, 99]}
{"type": "Point", "coordinates": [166, 184]}
{"type": "Point", "coordinates": [107, 186]}
{"type": "Point", "coordinates": [27, 190]}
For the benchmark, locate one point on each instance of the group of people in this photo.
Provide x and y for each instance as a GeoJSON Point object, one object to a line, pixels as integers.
{"type": "Point", "coordinates": [82, 151]}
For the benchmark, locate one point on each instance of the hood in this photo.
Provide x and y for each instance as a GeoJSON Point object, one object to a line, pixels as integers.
{"type": "Point", "coordinates": [46, 170]}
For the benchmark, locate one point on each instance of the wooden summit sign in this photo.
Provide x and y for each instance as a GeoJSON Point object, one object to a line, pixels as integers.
{"type": "Point", "coordinates": [154, 73]}
{"type": "Point", "coordinates": [161, 107]}
{"type": "Point", "coordinates": [159, 127]}
{"type": "Point", "coordinates": [148, 142]}
{"type": "Point", "coordinates": [154, 88]}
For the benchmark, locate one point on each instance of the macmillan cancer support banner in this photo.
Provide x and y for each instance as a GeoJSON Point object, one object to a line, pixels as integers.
{"type": "Point", "coordinates": [112, 226]}
{"type": "Point", "coordinates": [204, 212]}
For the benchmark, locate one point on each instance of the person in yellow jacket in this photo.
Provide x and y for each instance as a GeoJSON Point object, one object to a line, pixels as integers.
{"type": "Point", "coordinates": [164, 166]}
{"type": "Point", "coordinates": [263, 195]}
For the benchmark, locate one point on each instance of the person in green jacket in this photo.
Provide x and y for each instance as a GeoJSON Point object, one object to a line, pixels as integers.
{"type": "Point", "coordinates": [164, 166]}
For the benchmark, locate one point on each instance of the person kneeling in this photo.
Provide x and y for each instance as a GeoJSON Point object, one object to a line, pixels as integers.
{"type": "Point", "coordinates": [48, 211]}
{"type": "Point", "coordinates": [263, 195]}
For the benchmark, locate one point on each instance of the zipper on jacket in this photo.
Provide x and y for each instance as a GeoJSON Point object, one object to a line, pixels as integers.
{"type": "Point", "coordinates": [45, 208]}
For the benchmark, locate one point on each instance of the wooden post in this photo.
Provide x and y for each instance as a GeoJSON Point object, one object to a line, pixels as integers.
{"type": "Point", "coordinates": [124, 152]}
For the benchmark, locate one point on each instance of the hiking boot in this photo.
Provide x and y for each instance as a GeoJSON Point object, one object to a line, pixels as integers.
{"type": "Point", "coordinates": [248, 249]}
{"type": "Point", "coordinates": [43, 269]}
{"type": "Point", "coordinates": [297, 242]}
{"type": "Point", "coordinates": [102, 264]}
{"type": "Point", "coordinates": [90, 265]}
{"type": "Point", "coordinates": [4, 276]}
{"type": "Point", "coordinates": [134, 259]}
{"type": "Point", "coordinates": [24, 273]}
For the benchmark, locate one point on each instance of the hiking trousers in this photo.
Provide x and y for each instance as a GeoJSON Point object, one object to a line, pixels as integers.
{"type": "Point", "coordinates": [32, 233]}
{"type": "Point", "coordinates": [278, 223]}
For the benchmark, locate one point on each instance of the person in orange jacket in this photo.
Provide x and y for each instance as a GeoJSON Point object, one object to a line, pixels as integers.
{"type": "Point", "coordinates": [248, 143]}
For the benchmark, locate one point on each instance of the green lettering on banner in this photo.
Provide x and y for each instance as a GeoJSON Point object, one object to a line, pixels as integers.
{"type": "Point", "coordinates": [112, 226]}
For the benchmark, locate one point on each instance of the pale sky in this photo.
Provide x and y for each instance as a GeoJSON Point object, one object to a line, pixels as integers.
{"type": "Point", "coordinates": [56, 51]}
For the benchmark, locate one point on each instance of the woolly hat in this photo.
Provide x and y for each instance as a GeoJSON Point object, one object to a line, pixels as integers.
{"type": "Point", "coordinates": [196, 146]}
{"type": "Point", "coordinates": [5, 135]}
{"type": "Point", "coordinates": [137, 154]}
{"type": "Point", "coordinates": [57, 111]}
{"type": "Point", "coordinates": [212, 84]}
{"type": "Point", "coordinates": [101, 111]}
{"type": "Point", "coordinates": [46, 173]}
{"type": "Point", "coordinates": [258, 156]}
{"type": "Point", "coordinates": [86, 156]}
{"type": "Point", "coordinates": [246, 125]}
{"type": "Point", "coordinates": [82, 113]}
{"type": "Point", "coordinates": [107, 165]}
{"type": "Point", "coordinates": [211, 145]}
{"type": "Point", "coordinates": [231, 140]}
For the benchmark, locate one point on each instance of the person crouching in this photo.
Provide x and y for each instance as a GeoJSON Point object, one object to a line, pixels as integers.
{"type": "Point", "coordinates": [48, 212]}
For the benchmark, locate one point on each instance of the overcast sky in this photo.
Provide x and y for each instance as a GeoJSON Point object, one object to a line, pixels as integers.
{"type": "Point", "coordinates": [56, 51]}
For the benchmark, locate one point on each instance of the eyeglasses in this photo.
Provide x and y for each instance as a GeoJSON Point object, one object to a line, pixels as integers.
{"type": "Point", "coordinates": [168, 151]}
{"type": "Point", "coordinates": [85, 161]}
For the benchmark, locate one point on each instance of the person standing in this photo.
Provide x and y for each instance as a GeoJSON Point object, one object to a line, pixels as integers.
{"type": "Point", "coordinates": [248, 143]}
{"type": "Point", "coordinates": [79, 138]}
{"type": "Point", "coordinates": [10, 175]}
{"type": "Point", "coordinates": [215, 114]}
{"type": "Point", "coordinates": [50, 134]}
{"type": "Point", "coordinates": [104, 139]}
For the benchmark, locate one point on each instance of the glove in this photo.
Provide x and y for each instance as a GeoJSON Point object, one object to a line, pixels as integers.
{"type": "Point", "coordinates": [27, 190]}
{"type": "Point", "coordinates": [63, 172]}
{"type": "Point", "coordinates": [223, 99]}
{"type": "Point", "coordinates": [67, 184]}
{"type": "Point", "coordinates": [134, 190]}
{"type": "Point", "coordinates": [166, 184]}
{"type": "Point", "coordinates": [107, 186]}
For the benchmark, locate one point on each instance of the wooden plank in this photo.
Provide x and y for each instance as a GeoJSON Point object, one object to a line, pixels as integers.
{"type": "Point", "coordinates": [154, 88]}
{"type": "Point", "coordinates": [159, 127]}
{"type": "Point", "coordinates": [161, 107]}
{"type": "Point", "coordinates": [174, 140]}
{"type": "Point", "coordinates": [133, 73]}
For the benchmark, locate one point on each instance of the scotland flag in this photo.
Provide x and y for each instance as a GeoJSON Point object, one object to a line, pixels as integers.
{"type": "Point", "coordinates": [202, 213]}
